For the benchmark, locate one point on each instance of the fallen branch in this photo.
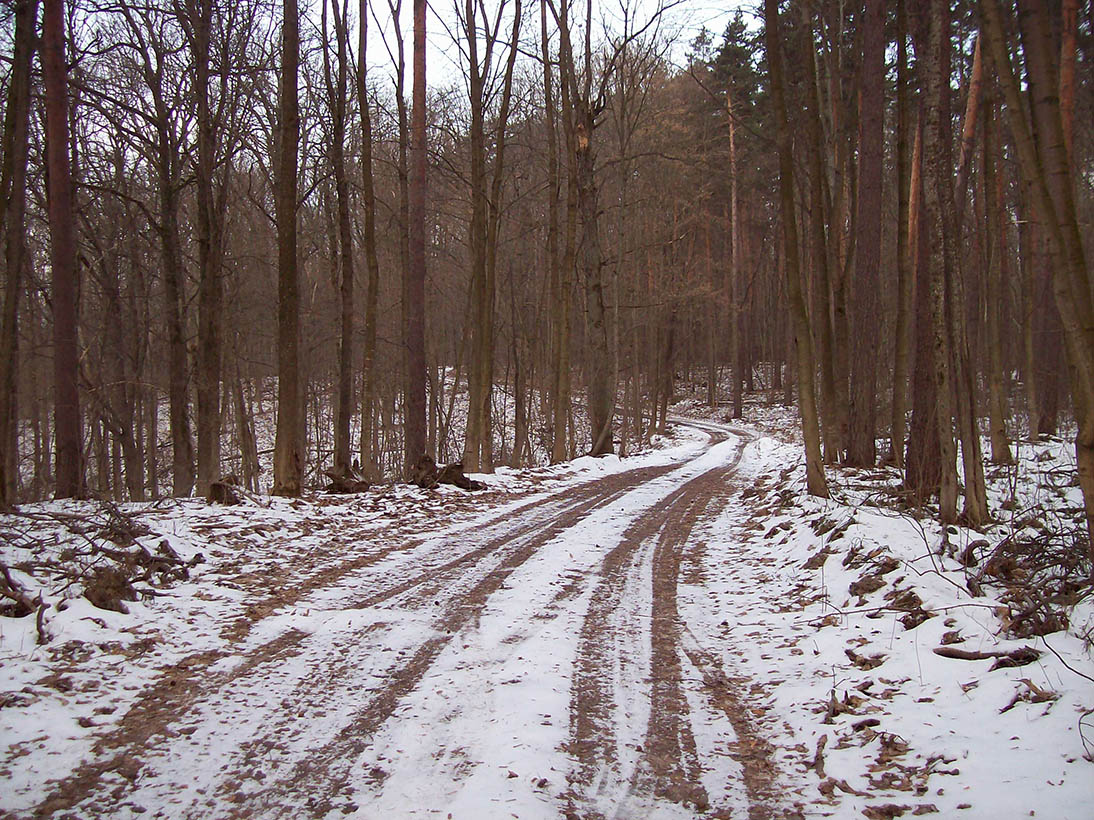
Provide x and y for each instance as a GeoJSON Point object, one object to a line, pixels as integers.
{"type": "Point", "coordinates": [1016, 657]}
{"type": "Point", "coordinates": [10, 588]}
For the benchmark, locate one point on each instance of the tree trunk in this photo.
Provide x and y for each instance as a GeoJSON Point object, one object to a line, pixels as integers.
{"type": "Point", "coordinates": [482, 296]}
{"type": "Point", "coordinates": [861, 449]}
{"type": "Point", "coordinates": [288, 445]}
{"type": "Point", "coordinates": [372, 260]}
{"type": "Point", "coordinates": [62, 230]}
{"type": "Point", "coordinates": [1026, 243]}
{"type": "Point", "coordinates": [414, 422]}
{"type": "Point", "coordinates": [975, 509]}
{"type": "Point", "coordinates": [904, 244]}
{"type": "Point", "coordinates": [939, 180]}
{"type": "Point", "coordinates": [599, 358]}
{"type": "Point", "coordinates": [814, 466]}
{"type": "Point", "coordinates": [832, 415]}
{"type": "Point", "coordinates": [336, 94]}
{"type": "Point", "coordinates": [210, 282]}
{"type": "Point", "coordinates": [560, 319]}
{"type": "Point", "coordinates": [13, 188]}
{"type": "Point", "coordinates": [1041, 145]}
{"type": "Point", "coordinates": [734, 264]}
{"type": "Point", "coordinates": [995, 240]}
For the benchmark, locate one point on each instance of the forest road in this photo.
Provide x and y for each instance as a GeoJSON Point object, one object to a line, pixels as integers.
{"type": "Point", "coordinates": [532, 663]}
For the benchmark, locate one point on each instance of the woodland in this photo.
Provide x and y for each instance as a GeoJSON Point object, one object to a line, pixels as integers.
{"type": "Point", "coordinates": [760, 354]}
{"type": "Point", "coordinates": [214, 211]}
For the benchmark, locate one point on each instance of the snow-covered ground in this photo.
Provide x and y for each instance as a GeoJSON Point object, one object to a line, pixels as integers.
{"type": "Point", "coordinates": [678, 634]}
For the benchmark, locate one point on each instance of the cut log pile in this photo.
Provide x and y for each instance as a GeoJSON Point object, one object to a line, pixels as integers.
{"type": "Point", "coordinates": [428, 475]}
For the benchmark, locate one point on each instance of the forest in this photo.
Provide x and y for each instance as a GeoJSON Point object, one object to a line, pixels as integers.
{"type": "Point", "coordinates": [757, 340]}
{"type": "Point", "coordinates": [217, 212]}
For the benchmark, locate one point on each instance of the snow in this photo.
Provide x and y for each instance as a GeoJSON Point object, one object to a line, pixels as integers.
{"type": "Point", "coordinates": [413, 653]}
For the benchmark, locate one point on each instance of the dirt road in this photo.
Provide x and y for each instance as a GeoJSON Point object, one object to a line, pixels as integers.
{"type": "Point", "coordinates": [531, 663]}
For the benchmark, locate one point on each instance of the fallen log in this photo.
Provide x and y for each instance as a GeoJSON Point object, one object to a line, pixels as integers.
{"type": "Point", "coordinates": [345, 481]}
{"type": "Point", "coordinates": [453, 474]}
{"type": "Point", "coordinates": [1017, 657]}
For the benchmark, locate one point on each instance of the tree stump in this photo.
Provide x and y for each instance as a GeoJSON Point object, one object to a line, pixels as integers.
{"type": "Point", "coordinates": [428, 475]}
{"type": "Point", "coordinates": [225, 491]}
{"type": "Point", "coordinates": [345, 481]}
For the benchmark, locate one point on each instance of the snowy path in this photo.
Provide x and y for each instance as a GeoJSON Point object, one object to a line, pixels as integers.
{"type": "Point", "coordinates": [530, 664]}
{"type": "Point", "coordinates": [682, 634]}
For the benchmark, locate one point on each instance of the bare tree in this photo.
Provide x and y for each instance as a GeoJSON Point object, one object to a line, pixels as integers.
{"type": "Point", "coordinates": [904, 238]}
{"type": "Point", "coordinates": [288, 447]}
{"type": "Point", "coordinates": [414, 409]}
{"type": "Point", "coordinates": [485, 216]}
{"type": "Point", "coordinates": [861, 448]}
{"type": "Point", "coordinates": [372, 261]}
{"type": "Point", "coordinates": [13, 197]}
{"type": "Point", "coordinates": [336, 86]}
{"type": "Point", "coordinates": [62, 229]}
{"type": "Point", "coordinates": [803, 340]}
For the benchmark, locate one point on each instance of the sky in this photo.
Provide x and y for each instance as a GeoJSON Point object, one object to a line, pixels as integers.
{"type": "Point", "coordinates": [684, 19]}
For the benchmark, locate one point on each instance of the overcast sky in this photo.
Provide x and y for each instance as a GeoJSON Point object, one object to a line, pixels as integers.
{"type": "Point", "coordinates": [683, 21]}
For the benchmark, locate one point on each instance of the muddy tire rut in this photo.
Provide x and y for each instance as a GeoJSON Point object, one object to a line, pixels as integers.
{"type": "Point", "coordinates": [275, 723]}
{"type": "Point", "coordinates": [610, 777]}
{"type": "Point", "coordinates": [449, 586]}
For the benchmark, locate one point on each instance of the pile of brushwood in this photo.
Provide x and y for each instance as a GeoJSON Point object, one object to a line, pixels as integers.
{"type": "Point", "coordinates": [101, 552]}
{"type": "Point", "coordinates": [1040, 577]}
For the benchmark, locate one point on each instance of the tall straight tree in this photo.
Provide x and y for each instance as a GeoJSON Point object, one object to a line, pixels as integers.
{"type": "Point", "coordinates": [904, 270]}
{"type": "Point", "coordinates": [833, 409]}
{"type": "Point", "coordinates": [559, 276]}
{"type": "Point", "coordinates": [939, 177]}
{"type": "Point", "coordinates": [288, 445]}
{"type": "Point", "coordinates": [337, 83]}
{"type": "Point", "coordinates": [198, 23]}
{"type": "Point", "coordinates": [485, 217]}
{"type": "Point", "coordinates": [168, 139]}
{"type": "Point", "coordinates": [62, 256]}
{"type": "Point", "coordinates": [814, 466]}
{"type": "Point", "coordinates": [372, 259]}
{"type": "Point", "coordinates": [414, 410]}
{"type": "Point", "coordinates": [863, 416]}
{"type": "Point", "coordinates": [13, 201]}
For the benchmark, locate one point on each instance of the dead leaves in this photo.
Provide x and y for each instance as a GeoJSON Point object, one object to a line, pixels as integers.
{"type": "Point", "coordinates": [865, 662]}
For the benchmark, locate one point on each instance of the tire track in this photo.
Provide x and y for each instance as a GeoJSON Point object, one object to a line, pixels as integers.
{"type": "Point", "coordinates": [322, 776]}
{"type": "Point", "coordinates": [667, 766]}
{"type": "Point", "coordinates": [190, 682]}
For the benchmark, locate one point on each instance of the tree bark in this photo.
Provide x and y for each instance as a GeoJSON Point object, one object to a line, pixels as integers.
{"type": "Point", "coordinates": [559, 274]}
{"type": "Point", "coordinates": [372, 260]}
{"type": "Point", "coordinates": [861, 448]}
{"type": "Point", "coordinates": [13, 187]}
{"type": "Point", "coordinates": [210, 281]}
{"type": "Point", "coordinates": [734, 264]}
{"type": "Point", "coordinates": [482, 295]}
{"type": "Point", "coordinates": [832, 411]}
{"type": "Point", "coordinates": [414, 410]}
{"type": "Point", "coordinates": [940, 179]}
{"type": "Point", "coordinates": [336, 94]}
{"type": "Point", "coordinates": [904, 243]}
{"type": "Point", "coordinates": [815, 479]}
{"type": "Point", "coordinates": [288, 446]}
{"type": "Point", "coordinates": [995, 240]}
{"type": "Point", "coordinates": [975, 508]}
{"type": "Point", "coordinates": [62, 229]}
